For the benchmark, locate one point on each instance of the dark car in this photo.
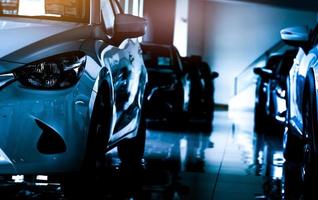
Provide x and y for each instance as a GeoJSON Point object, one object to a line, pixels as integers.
{"type": "Point", "coordinates": [168, 86]}
{"type": "Point", "coordinates": [201, 102]}
{"type": "Point", "coordinates": [270, 104]}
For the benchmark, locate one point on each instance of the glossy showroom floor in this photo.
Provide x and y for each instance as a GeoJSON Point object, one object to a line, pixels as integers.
{"type": "Point", "coordinates": [231, 162]}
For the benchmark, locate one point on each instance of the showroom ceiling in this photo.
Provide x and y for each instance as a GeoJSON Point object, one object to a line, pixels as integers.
{"type": "Point", "coordinates": [311, 5]}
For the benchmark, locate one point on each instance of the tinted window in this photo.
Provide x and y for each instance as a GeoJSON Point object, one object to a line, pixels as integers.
{"type": "Point", "coordinates": [158, 57]}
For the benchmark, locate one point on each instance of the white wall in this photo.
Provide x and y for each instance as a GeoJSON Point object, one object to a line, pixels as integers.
{"type": "Point", "coordinates": [180, 38]}
{"type": "Point", "coordinates": [235, 34]}
{"type": "Point", "coordinates": [134, 7]}
{"type": "Point", "coordinates": [196, 27]}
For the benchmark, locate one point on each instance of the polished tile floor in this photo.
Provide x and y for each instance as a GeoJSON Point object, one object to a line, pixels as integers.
{"type": "Point", "coordinates": [230, 162]}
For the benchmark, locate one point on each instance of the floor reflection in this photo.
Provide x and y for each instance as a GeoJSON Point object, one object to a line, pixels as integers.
{"type": "Point", "coordinates": [170, 154]}
{"type": "Point", "coordinates": [281, 179]}
{"type": "Point", "coordinates": [230, 162]}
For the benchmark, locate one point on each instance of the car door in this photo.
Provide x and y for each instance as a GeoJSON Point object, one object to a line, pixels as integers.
{"type": "Point", "coordinates": [127, 71]}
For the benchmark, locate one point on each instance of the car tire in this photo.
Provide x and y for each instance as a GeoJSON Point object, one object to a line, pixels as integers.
{"type": "Point", "coordinates": [309, 173]}
{"type": "Point", "coordinates": [260, 117]}
{"type": "Point", "coordinates": [131, 151]}
{"type": "Point", "coordinates": [180, 115]}
{"type": "Point", "coordinates": [293, 147]}
{"type": "Point", "coordinates": [99, 132]}
{"type": "Point", "coordinates": [82, 183]}
{"type": "Point", "coordinates": [310, 164]}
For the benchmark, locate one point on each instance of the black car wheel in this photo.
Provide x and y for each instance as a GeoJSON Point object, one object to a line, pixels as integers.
{"type": "Point", "coordinates": [293, 146]}
{"type": "Point", "coordinates": [78, 185]}
{"type": "Point", "coordinates": [99, 132]}
{"type": "Point", "coordinates": [310, 164]}
{"type": "Point", "coordinates": [131, 151]}
{"type": "Point", "coordinates": [260, 116]}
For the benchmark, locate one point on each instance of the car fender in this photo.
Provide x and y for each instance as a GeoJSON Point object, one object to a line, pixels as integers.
{"type": "Point", "coordinates": [315, 71]}
{"type": "Point", "coordinates": [103, 81]}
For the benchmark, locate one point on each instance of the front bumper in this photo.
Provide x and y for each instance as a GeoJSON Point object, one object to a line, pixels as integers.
{"type": "Point", "coordinates": [162, 102]}
{"type": "Point", "coordinates": [28, 115]}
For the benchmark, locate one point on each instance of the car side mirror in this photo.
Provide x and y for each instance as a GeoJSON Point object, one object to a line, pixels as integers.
{"type": "Point", "coordinates": [263, 72]}
{"type": "Point", "coordinates": [214, 75]}
{"type": "Point", "coordinates": [129, 26]}
{"type": "Point", "coordinates": [296, 36]}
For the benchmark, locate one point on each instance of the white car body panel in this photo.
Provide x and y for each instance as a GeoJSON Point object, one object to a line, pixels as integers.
{"type": "Point", "coordinates": [297, 76]}
{"type": "Point", "coordinates": [33, 31]}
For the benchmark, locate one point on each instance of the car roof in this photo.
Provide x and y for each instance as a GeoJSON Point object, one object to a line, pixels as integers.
{"type": "Point", "coordinates": [156, 45]}
{"type": "Point", "coordinates": [158, 49]}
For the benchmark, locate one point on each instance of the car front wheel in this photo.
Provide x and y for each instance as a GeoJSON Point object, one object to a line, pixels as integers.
{"type": "Point", "coordinates": [293, 146]}
{"type": "Point", "coordinates": [310, 164]}
{"type": "Point", "coordinates": [79, 184]}
{"type": "Point", "coordinates": [99, 132]}
{"type": "Point", "coordinates": [131, 151]}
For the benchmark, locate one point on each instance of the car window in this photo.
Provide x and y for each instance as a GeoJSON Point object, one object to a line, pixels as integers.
{"type": "Point", "coordinates": [159, 57]}
{"type": "Point", "coordinates": [163, 61]}
{"type": "Point", "coordinates": [108, 16]}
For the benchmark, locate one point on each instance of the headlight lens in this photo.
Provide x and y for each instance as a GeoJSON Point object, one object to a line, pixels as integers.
{"type": "Point", "coordinates": [57, 72]}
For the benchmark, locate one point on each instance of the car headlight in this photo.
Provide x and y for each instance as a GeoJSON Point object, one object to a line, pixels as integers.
{"type": "Point", "coordinates": [57, 72]}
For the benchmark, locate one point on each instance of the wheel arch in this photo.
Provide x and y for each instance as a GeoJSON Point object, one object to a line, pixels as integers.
{"type": "Point", "coordinates": [103, 86]}
{"type": "Point", "coordinates": [310, 84]}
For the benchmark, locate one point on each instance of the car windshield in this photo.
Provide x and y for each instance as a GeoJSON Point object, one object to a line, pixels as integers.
{"type": "Point", "coordinates": [158, 57]}
{"type": "Point", "coordinates": [62, 10]}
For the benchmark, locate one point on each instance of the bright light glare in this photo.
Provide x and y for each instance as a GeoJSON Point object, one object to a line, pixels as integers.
{"type": "Point", "coordinates": [278, 161]}
{"type": "Point", "coordinates": [278, 158]}
{"type": "Point", "coordinates": [41, 184]}
{"type": "Point", "coordinates": [18, 178]}
{"type": "Point", "coordinates": [32, 7]}
{"type": "Point", "coordinates": [3, 157]}
{"type": "Point", "coordinates": [277, 172]}
{"type": "Point", "coordinates": [135, 8]}
{"type": "Point", "coordinates": [183, 152]}
{"type": "Point", "coordinates": [41, 178]}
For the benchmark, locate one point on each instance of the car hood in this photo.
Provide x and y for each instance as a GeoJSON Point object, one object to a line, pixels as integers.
{"type": "Point", "coordinates": [16, 33]}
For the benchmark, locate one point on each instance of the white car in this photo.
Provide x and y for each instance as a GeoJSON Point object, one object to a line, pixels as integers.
{"type": "Point", "coordinates": [71, 85]}
{"type": "Point", "coordinates": [301, 139]}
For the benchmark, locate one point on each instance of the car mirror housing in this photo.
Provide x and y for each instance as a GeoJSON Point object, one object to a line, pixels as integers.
{"type": "Point", "coordinates": [129, 26]}
{"type": "Point", "coordinates": [263, 72]}
{"type": "Point", "coordinates": [214, 75]}
{"type": "Point", "coordinates": [295, 36]}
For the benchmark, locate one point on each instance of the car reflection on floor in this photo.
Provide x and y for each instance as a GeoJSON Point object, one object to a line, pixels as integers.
{"type": "Point", "coordinates": [231, 162]}
{"type": "Point", "coordinates": [168, 153]}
